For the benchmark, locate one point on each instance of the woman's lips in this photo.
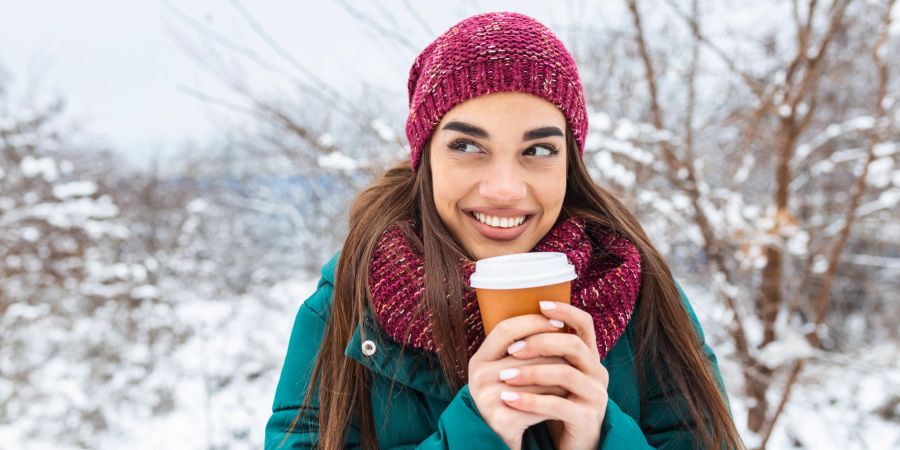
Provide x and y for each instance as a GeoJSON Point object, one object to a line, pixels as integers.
{"type": "Point", "coordinates": [499, 234]}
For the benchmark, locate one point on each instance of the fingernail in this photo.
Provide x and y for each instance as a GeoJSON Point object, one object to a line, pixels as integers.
{"type": "Point", "coordinates": [508, 374]}
{"type": "Point", "coordinates": [509, 396]}
{"type": "Point", "coordinates": [516, 346]}
{"type": "Point", "coordinates": [557, 323]}
{"type": "Point", "coordinates": [548, 305]}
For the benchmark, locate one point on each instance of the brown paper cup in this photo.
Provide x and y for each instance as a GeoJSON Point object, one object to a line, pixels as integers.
{"type": "Point", "coordinates": [512, 285]}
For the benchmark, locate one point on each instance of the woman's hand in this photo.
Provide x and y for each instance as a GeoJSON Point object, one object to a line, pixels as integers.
{"type": "Point", "coordinates": [486, 385]}
{"type": "Point", "coordinates": [581, 412]}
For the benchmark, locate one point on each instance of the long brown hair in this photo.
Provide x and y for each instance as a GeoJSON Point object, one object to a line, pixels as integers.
{"type": "Point", "coordinates": [668, 349]}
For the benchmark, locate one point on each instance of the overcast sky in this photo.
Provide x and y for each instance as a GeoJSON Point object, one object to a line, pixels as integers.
{"type": "Point", "coordinates": [126, 76]}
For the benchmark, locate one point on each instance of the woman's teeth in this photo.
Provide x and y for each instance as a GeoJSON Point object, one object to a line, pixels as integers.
{"type": "Point", "coordinates": [499, 222]}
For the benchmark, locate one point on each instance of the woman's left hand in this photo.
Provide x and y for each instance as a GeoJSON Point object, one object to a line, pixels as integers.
{"type": "Point", "coordinates": [580, 414]}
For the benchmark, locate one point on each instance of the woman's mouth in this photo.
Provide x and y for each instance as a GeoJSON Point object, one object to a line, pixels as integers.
{"type": "Point", "coordinates": [499, 228]}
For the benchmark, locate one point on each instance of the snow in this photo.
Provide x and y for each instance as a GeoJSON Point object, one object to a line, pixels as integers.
{"type": "Point", "coordinates": [881, 52]}
{"type": "Point", "coordinates": [744, 170]}
{"type": "Point", "coordinates": [623, 148]}
{"type": "Point", "coordinates": [788, 348]}
{"type": "Point", "coordinates": [885, 149]}
{"type": "Point", "coordinates": [383, 130]}
{"type": "Point", "coordinates": [833, 405]}
{"type": "Point", "coordinates": [74, 212]}
{"type": "Point", "coordinates": [197, 205]}
{"type": "Point", "coordinates": [145, 291]}
{"type": "Point", "coordinates": [832, 131]}
{"type": "Point", "coordinates": [612, 170]}
{"type": "Point", "coordinates": [874, 261]}
{"type": "Point", "coordinates": [820, 264]}
{"type": "Point", "coordinates": [625, 130]}
{"type": "Point", "coordinates": [811, 53]}
{"type": "Point", "coordinates": [74, 189]}
{"type": "Point", "coordinates": [887, 200]}
{"type": "Point", "coordinates": [599, 120]}
{"type": "Point", "coordinates": [46, 167]}
{"type": "Point", "coordinates": [325, 140]}
{"type": "Point", "coordinates": [337, 161]}
{"type": "Point", "coordinates": [879, 175]}
{"type": "Point", "coordinates": [30, 234]}
{"type": "Point", "coordinates": [784, 110]}
{"type": "Point", "coordinates": [180, 344]}
{"type": "Point", "coordinates": [797, 243]}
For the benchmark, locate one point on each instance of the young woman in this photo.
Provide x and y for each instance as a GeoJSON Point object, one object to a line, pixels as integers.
{"type": "Point", "coordinates": [390, 351]}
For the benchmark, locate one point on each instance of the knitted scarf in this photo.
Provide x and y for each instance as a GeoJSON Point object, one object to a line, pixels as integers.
{"type": "Point", "coordinates": [608, 267]}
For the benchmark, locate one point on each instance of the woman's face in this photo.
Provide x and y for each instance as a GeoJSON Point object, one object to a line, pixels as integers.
{"type": "Point", "coordinates": [498, 165]}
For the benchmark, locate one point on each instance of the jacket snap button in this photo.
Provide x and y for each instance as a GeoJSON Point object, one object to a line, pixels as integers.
{"type": "Point", "coordinates": [368, 348]}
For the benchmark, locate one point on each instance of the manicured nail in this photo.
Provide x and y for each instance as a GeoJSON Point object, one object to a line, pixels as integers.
{"type": "Point", "coordinates": [508, 374]}
{"type": "Point", "coordinates": [516, 346]}
{"type": "Point", "coordinates": [509, 396]}
{"type": "Point", "coordinates": [549, 306]}
{"type": "Point", "coordinates": [557, 323]}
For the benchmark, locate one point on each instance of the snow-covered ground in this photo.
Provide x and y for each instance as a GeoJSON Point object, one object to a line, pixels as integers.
{"type": "Point", "coordinates": [836, 402]}
{"type": "Point", "coordinates": [224, 378]}
{"type": "Point", "coordinates": [835, 405]}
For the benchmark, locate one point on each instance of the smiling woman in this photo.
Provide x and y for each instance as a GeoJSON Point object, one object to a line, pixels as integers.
{"type": "Point", "coordinates": [390, 351]}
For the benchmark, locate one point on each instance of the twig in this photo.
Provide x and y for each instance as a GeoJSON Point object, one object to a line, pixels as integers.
{"type": "Point", "coordinates": [393, 36]}
{"type": "Point", "coordinates": [791, 381]}
{"type": "Point", "coordinates": [754, 84]}
{"type": "Point", "coordinates": [418, 18]}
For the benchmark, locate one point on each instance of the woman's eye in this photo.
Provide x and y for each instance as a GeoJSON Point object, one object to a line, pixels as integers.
{"type": "Point", "coordinates": [541, 150]}
{"type": "Point", "coordinates": [465, 147]}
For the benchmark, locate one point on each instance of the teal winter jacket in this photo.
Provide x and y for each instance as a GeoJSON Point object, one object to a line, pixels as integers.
{"type": "Point", "coordinates": [422, 413]}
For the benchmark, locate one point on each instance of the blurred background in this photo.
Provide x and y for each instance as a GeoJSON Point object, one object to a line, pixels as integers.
{"type": "Point", "coordinates": [174, 174]}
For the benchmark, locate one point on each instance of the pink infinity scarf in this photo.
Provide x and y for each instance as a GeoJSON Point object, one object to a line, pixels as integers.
{"type": "Point", "coordinates": [609, 279]}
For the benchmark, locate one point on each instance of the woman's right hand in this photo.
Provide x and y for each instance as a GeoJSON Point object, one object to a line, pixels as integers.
{"type": "Point", "coordinates": [485, 384]}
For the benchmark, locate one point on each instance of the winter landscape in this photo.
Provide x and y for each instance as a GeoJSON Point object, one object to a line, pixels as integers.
{"type": "Point", "coordinates": [148, 285]}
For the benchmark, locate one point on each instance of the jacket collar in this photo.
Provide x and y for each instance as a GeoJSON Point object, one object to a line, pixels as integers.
{"type": "Point", "coordinates": [410, 367]}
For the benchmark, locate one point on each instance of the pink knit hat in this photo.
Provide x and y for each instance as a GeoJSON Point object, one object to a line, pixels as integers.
{"type": "Point", "coordinates": [487, 53]}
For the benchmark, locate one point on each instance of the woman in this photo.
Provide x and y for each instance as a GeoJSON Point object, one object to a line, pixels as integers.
{"type": "Point", "coordinates": [390, 352]}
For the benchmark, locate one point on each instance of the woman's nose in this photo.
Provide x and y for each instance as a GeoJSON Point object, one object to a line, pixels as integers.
{"type": "Point", "coordinates": [503, 184]}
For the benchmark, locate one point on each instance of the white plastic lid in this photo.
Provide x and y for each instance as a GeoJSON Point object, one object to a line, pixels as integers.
{"type": "Point", "coordinates": [522, 270]}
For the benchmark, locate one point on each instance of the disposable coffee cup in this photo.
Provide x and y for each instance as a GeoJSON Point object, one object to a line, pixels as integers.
{"type": "Point", "coordinates": [512, 285]}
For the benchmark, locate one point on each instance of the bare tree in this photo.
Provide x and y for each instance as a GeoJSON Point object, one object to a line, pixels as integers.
{"type": "Point", "coordinates": [791, 113]}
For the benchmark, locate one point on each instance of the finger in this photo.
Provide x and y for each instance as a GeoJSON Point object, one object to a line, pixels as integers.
{"type": "Point", "coordinates": [511, 362]}
{"type": "Point", "coordinates": [544, 390]}
{"type": "Point", "coordinates": [570, 347]}
{"type": "Point", "coordinates": [581, 322]}
{"type": "Point", "coordinates": [509, 331]}
{"type": "Point", "coordinates": [487, 374]}
{"type": "Point", "coordinates": [583, 387]}
{"type": "Point", "coordinates": [513, 418]}
{"type": "Point", "coordinates": [544, 405]}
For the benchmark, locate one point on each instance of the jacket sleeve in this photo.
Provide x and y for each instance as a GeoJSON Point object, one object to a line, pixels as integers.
{"type": "Point", "coordinates": [662, 422]}
{"type": "Point", "coordinates": [459, 426]}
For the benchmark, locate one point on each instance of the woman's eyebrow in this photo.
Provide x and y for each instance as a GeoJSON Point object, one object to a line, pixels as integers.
{"type": "Point", "coordinates": [472, 130]}
{"type": "Point", "coordinates": [543, 132]}
{"type": "Point", "coordinates": [466, 128]}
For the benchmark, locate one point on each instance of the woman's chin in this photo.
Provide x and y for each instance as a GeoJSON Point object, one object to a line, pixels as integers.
{"type": "Point", "coordinates": [482, 251]}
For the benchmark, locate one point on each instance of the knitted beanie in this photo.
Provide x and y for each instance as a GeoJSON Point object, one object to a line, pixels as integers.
{"type": "Point", "coordinates": [488, 53]}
